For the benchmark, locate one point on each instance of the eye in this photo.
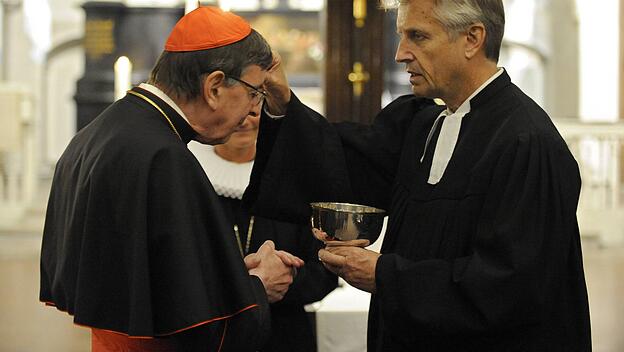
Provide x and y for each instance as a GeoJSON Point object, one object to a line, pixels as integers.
{"type": "Point", "coordinates": [415, 36]}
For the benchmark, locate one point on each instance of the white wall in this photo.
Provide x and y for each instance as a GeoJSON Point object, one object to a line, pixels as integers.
{"type": "Point", "coordinates": [599, 59]}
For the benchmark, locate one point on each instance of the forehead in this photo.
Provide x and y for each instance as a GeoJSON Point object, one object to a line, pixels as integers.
{"type": "Point", "coordinates": [254, 74]}
{"type": "Point", "coordinates": [416, 14]}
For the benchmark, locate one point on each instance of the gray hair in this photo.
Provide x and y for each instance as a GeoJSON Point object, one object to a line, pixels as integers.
{"type": "Point", "coordinates": [457, 15]}
{"type": "Point", "coordinates": [182, 74]}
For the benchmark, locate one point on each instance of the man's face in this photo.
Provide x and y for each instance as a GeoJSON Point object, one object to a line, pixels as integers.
{"type": "Point", "coordinates": [245, 136]}
{"type": "Point", "coordinates": [431, 58]}
{"type": "Point", "coordinates": [236, 103]}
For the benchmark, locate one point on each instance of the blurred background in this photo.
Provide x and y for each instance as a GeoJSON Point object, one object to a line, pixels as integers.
{"type": "Point", "coordinates": [63, 61]}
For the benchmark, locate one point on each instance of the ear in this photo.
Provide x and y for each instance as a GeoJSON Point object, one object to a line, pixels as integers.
{"type": "Point", "coordinates": [475, 40]}
{"type": "Point", "coordinates": [213, 88]}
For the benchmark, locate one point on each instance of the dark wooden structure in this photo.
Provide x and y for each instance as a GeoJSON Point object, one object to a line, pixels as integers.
{"type": "Point", "coordinates": [113, 30]}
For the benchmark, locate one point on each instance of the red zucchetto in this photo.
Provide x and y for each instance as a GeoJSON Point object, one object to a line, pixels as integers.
{"type": "Point", "coordinates": [206, 27]}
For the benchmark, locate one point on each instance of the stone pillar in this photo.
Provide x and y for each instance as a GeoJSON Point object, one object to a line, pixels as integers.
{"type": "Point", "coordinates": [621, 70]}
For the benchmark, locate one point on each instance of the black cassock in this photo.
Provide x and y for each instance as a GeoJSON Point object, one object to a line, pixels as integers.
{"type": "Point", "coordinates": [136, 241]}
{"type": "Point", "coordinates": [488, 259]}
{"type": "Point", "coordinates": [291, 328]}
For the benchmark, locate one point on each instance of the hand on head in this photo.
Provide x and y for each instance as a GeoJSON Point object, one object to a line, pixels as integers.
{"type": "Point", "coordinates": [276, 269]}
{"type": "Point", "coordinates": [276, 84]}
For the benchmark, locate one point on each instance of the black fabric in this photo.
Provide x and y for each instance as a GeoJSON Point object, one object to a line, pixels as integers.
{"type": "Point", "coordinates": [291, 326]}
{"type": "Point", "coordinates": [135, 238]}
{"type": "Point", "coordinates": [489, 259]}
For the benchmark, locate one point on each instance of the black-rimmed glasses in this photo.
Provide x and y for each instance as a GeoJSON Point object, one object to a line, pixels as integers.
{"type": "Point", "coordinates": [257, 95]}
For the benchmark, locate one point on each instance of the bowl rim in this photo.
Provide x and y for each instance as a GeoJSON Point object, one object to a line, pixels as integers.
{"type": "Point", "coordinates": [323, 206]}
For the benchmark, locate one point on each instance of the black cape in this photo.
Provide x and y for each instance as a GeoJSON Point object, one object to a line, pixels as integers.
{"type": "Point", "coordinates": [489, 259]}
{"type": "Point", "coordinates": [291, 327]}
{"type": "Point", "coordinates": [135, 239]}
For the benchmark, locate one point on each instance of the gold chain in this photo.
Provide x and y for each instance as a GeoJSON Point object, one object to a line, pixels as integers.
{"type": "Point", "coordinates": [248, 242]}
{"type": "Point", "coordinates": [157, 108]}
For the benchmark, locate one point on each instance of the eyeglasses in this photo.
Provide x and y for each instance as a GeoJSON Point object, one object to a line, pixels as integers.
{"type": "Point", "coordinates": [257, 95]}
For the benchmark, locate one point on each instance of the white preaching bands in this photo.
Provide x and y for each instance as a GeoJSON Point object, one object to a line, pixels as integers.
{"type": "Point", "coordinates": [449, 134]}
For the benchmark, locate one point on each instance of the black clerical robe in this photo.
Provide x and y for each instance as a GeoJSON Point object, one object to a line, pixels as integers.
{"type": "Point", "coordinates": [135, 239]}
{"type": "Point", "coordinates": [488, 259]}
{"type": "Point", "coordinates": [291, 328]}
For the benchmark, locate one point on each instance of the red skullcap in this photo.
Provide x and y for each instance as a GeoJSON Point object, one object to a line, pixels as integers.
{"type": "Point", "coordinates": [206, 27]}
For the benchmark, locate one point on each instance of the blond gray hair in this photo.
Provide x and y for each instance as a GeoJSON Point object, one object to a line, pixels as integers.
{"type": "Point", "coordinates": [456, 16]}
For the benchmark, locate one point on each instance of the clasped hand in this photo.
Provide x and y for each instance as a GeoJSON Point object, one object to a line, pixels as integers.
{"type": "Point", "coordinates": [276, 269]}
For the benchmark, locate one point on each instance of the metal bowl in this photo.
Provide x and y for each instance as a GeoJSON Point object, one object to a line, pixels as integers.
{"type": "Point", "coordinates": [345, 222]}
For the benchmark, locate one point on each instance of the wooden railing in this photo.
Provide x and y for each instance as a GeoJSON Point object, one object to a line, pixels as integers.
{"type": "Point", "coordinates": [599, 151]}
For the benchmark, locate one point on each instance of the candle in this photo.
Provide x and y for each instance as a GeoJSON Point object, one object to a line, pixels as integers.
{"type": "Point", "coordinates": [123, 76]}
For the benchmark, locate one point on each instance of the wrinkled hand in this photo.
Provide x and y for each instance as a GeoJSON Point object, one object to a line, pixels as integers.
{"type": "Point", "coordinates": [276, 84]}
{"type": "Point", "coordinates": [354, 264]}
{"type": "Point", "coordinates": [276, 269]}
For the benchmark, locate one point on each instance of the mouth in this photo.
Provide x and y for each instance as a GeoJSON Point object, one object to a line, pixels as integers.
{"type": "Point", "coordinates": [414, 76]}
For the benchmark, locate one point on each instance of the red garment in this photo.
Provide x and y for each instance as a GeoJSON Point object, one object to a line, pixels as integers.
{"type": "Point", "coordinates": [110, 341]}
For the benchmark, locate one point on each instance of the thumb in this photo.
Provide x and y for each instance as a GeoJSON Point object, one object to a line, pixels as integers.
{"type": "Point", "coordinates": [251, 261]}
{"type": "Point", "coordinates": [267, 246]}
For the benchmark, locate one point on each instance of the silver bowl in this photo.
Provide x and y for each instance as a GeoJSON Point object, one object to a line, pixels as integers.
{"type": "Point", "coordinates": [345, 222]}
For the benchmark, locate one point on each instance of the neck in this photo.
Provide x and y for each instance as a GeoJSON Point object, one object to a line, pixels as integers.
{"type": "Point", "coordinates": [236, 155]}
{"type": "Point", "coordinates": [472, 79]}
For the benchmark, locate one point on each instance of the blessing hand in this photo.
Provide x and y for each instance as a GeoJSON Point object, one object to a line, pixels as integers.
{"type": "Point", "coordinates": [276, 84]}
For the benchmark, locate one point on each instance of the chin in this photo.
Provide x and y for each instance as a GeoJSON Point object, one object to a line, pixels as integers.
{"type": "Point", "coordinates": [421, 93]}
{"type": "Point", "coordinates": [212, 141]}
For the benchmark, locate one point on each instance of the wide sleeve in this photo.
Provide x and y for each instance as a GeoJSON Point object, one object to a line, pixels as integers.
{"type": "Point", "coordinates": [196, 274]}
{"type": "Point", "coordinates": [302, 158]}
{"type": "Point", "coordinates": [524, 256]}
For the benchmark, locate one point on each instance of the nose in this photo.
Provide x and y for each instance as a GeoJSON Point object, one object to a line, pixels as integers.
{"type": "Point", "coordinates": [255, 110]}
{"type": "Point", "coordinates": [403, 55]}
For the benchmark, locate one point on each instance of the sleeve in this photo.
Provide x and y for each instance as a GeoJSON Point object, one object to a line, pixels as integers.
{"type": "Point", "coordinates": [525, 251]}
{"type": "Point", "coordinates": [253, 329]}
{"type": "Point", "coordinates": [196, 274]}
{"type": "Point", "coordinates": [303, 158]}
{"type": "Point", "coordinates": [313, 282]}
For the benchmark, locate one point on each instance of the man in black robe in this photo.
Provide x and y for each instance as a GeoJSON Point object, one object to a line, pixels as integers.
{"type": "Point", "coordinates": [136, 244]}
{"type": "Point", "coordinates": [482, 250]}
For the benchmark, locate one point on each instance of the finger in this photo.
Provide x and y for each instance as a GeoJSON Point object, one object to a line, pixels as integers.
{"type": "Point", "coordinates": [251, 261]}
{"type": "Point", "coordinates": [319, 235]}
{"type": "Point", "coordinates": [345, 250]}
{"type": "Point", "coordinates": [277, 60]}
{"type": "Point", "coordinates": [353, 243]}
{"type": "Point", "coordinates": [289, 259]}
{"type": "Point", "coordinates": [330, 258]}
{"type": "Point", "coordinates": [285, 257]}
{"type": "Point", "coordinates": [267, 246]}
{"type": "Point", "coordinates": [296, 261]}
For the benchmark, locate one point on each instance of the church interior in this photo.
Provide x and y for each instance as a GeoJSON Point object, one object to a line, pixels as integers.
{"type": "Point", "coordinates": [63, 62]}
